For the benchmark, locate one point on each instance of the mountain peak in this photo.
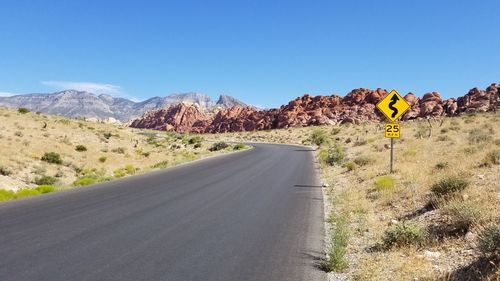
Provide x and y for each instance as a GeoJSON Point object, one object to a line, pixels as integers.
{"type": "Point", "coordinates": [228, 101]}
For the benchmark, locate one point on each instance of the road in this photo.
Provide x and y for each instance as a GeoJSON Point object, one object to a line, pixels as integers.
{"type": "Point", "coordinates": [251, 215]}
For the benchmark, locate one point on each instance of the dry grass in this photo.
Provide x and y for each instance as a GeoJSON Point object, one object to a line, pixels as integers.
{"type": "Point", "coordinates": [88, 152]}
{"type": "Point", "coordinates": [373, 200]}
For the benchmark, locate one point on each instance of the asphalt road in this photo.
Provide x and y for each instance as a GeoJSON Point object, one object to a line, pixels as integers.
{"type": "Point", "coordinates": [252, 215]}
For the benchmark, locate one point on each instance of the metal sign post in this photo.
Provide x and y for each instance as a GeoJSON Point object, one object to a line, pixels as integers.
{"type": "Point", "coordinates": [393, 106]}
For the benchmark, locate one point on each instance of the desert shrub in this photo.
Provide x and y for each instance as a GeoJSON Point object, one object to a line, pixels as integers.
{"type": "Point", "coordinates": [119, 150]}
{"type": "Point", "coordinates": [107, 135]}
{"type": "Point", "coordinates": [333, 156]}
{"type": "Point", "coordinates": [492, 158]}
{"type": "Point", "coordinates": [336, 260]}
{"type": "Point", "coordinates": [23, 110]}
{"type": "Point", "coordinates": [26, 193]}
{"type": "Point", "coordinates": [335, 131]}
{"type": "Point", "coordinates": [52, 157]}
{"type": "Point", "coordinates": [350, 165]}
{"type": "Point", "coordinates": [80, 148]}
{"type": "Point", "coordinates": [404, 234]}
{"type": "Point", "coordinates": [442, 165]}
{"type": "Point", "coordinates": [421, 132]}
{"type": "Point", "coordinates": [463, 214]}
{"type": "Point", "coordinates": [449, 186]}
{"type": "Point", "coordinates": [103, 159]}
{"type": "Point", "coordinates": [197, 145]}
{"type": "Point", "coordinates": [489, 240]}
{"type": "Point", "coordinates": [45, 189]}
{"type": "Point", "coordinates": [477, 136]}
{"type": "Point", "coordinates": [385, 184]}
{"type": "Point", "coordinates": [195, 140]}
{"type": "Point", "coordinates": [218, 146]}
{"type": "Point", "coordinates": [45, 180]}
{"type": "Point", "coordinates": [130, 169]}
{"type": "Point", "coordinates": [161, 164]}
{"type": "Point", "coordinates": [444, 130]}
{"type": "Point", "coordinates": [360, 142]}
{"type": "Point", "coordinates": [4, 171]}
{"type": "Point", "coordinates": [363, 160]}
{"type": "Point", "coordinates": [6, 195]}
{"type": "Point", "coordinates": [18, 134]}
{"type": "Point", "coordinates": [443, 138]}
{"type": "Point", "coordinates": [86, 180]}
{"type": "Point", "coordinates": [318, 137]}
{"type": "Point", "coordinates": [239, 146]}
{"type": "Point", "coordinates": [119, 173]}
{"type": "Point", "coordinates": [146, 154]}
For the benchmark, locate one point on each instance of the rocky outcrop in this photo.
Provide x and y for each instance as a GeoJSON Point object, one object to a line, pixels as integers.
{"type": "Point", "coordinates": [179, 118]}
{"type": "Point", "coordinates": [357, 106]}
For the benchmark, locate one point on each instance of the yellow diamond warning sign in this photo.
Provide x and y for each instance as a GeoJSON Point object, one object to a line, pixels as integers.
{"type": "Point", "coordinates": [393, 106]}
{"type": "Point", "coordinates": [392, 130]}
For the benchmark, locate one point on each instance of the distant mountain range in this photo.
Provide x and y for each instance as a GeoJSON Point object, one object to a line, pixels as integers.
{"type": "Point", "coordinates": [81, 104]}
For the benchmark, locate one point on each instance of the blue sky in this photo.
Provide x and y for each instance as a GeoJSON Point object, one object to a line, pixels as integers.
{"type": "Point", "coordinates": [262, 52]}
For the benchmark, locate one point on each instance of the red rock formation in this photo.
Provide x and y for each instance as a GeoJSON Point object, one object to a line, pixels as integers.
{"type": "Point", "coordinates": [178, 118]}
{"type": "Point", "coordinates": [356, 107]}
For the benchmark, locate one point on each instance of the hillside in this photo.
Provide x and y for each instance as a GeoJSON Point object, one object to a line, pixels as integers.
{"type": "Point", "coordinates": [45, 150]}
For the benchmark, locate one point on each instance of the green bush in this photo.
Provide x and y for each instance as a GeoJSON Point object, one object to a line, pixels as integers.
{"type": "Point", "coordinates": [103, 159]}
{"type": "Point", "coordinates": [333, 156]}
{"type": "Point", "coordinates": [23, 110]}
{"type": "Point", "coordinates": [6, 195]}
{"type": "Point", "coordinates": [4, 171]}
{"type": "Point", "coordinates": [197, 145]}
{"type": "Point", "coordinates": [363, 160]}
{"type": "Point", "coordinates": [385, 184]}
{"type": "Point", "coordinates": [449, 186]}
{"type": "Point", "coordinates": [463, 214]}
{"type": "Point", "coordinates": [85, 181]}
{"type": "Point", "coordinates": [350, 166]}
{"type": "Point", "coordinates": [46, 188]}
{"type": "Point", "coordinates": [239, 146]}
{"type": "Point", "coordinates": [195, 140]}
{"type": "Point", "coordinates": [26, 193]}
{"type": "Point", "coordinates": [45, 180]}
{"type": "Point", "coordinates": [489, 240]}
{"type": "Point", "coordinates": [218, 146]}
{"type": "Point", "coordinates": [52, 157]}
{"type": "Point", "coordinates": [336, 260]}
{"type": "Point", "coordinates": [80, 148]}
{"type": "Point", "coordinates": [318, 137]}
{"type": "Point", "coordinates": [119, 173]}
{"type": "Point", "coordinates": [404, 234]}
{"type": "Point", "coordinates": [130, 169]}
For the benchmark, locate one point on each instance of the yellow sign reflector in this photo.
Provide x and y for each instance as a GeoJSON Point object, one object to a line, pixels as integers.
{"type": "Point", "coordinates": [392, 130]}
{"type": "Point", "coordinates": [393, 106]}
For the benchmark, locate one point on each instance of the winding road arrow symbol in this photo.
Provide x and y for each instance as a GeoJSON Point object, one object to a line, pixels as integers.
{"type": "Point", "coordinates": [394, 100]}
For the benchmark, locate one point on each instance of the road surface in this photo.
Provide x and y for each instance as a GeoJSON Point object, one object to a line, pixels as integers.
{"type": "Point", "coordinates": [252, 215]}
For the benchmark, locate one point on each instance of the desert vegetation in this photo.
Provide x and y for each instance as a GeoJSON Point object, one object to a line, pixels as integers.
{"type": "Point", "coordinates": [44, 153]}
{"type": "Point", "coordinates": [436, 217]}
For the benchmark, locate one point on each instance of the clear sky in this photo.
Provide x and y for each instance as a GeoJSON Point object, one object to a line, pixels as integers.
{"type": "Point", "coordinates": [262, 52]}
